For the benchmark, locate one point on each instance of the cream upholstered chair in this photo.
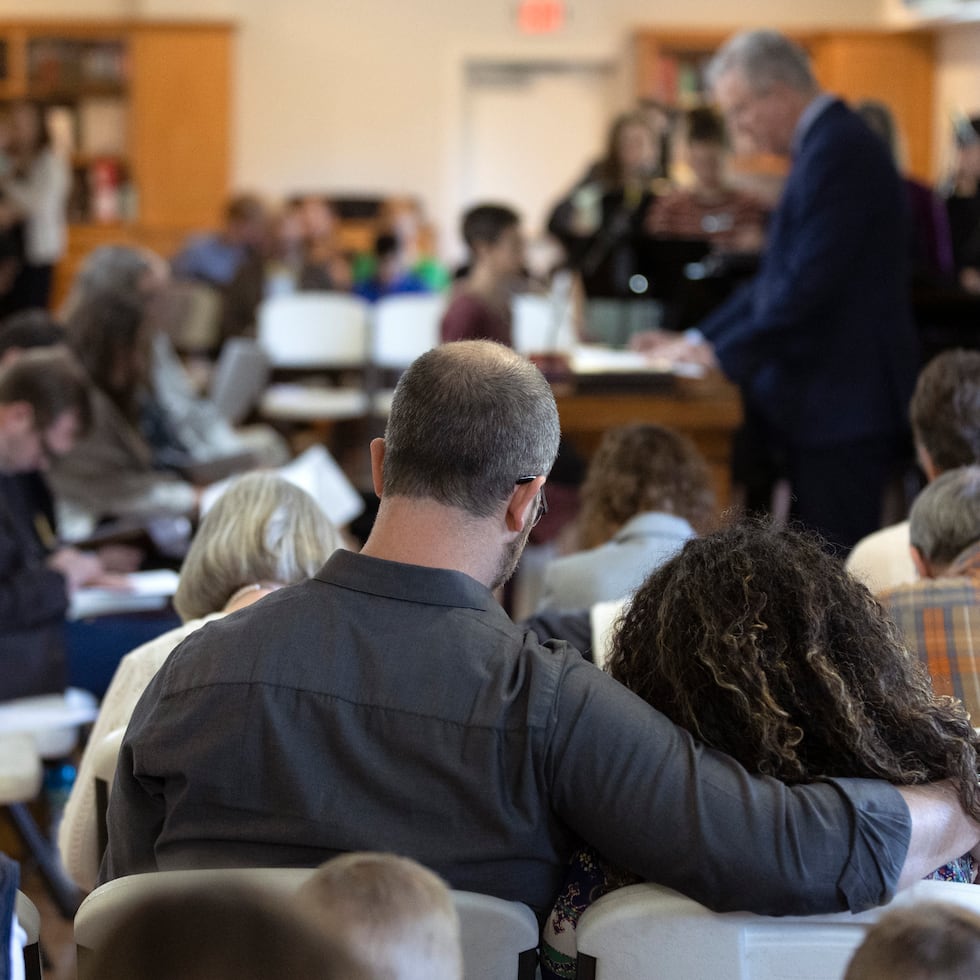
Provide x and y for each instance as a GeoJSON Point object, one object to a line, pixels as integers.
{"type": "Point", "coordinates": [29, 919]}
{"type": "Point", "coordinates": [311, 332]}
{"type": "Point", "coordinates": [499, 938]}
{"type": "Point", "coordinates": [104, 757]}
{"type": "Point", "coordinates": [648, 932]}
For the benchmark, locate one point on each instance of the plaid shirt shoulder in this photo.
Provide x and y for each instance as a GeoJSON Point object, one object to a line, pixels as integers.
{"type": "Point", "coordinates": [940, 619]}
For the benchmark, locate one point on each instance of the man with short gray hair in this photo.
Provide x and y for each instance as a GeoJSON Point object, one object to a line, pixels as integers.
{"type": "Point", "coordinates": [390, 703]}
{"type": "Point", "coordinates": [821, 341]}
{"type": "Point", "coordinates": [940, 614]}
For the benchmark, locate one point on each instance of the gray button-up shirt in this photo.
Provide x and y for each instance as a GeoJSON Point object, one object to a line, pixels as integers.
{"type": "Point", "coordinates": [398, 708]}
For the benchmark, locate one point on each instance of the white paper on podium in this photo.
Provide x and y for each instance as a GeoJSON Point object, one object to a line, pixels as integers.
{"type": "Point", "coordinates": [144, 591]}
{"type": "Point", "coordinates": [594, 359]}
{"type": "Point", "coordinates": [316, 472]}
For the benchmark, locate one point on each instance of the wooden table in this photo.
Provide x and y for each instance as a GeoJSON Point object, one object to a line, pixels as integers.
{"type": "Point", "coordinates": [708, 410]}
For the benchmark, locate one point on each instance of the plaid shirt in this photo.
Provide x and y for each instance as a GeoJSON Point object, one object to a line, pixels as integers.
{"type": "Point", "coordinates": [941, 622]}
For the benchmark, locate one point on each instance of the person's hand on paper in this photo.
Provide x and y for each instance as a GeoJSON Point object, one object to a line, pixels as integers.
{"type": "Point", "coordinates": [78, 567]}
{"type": "Point", "coordinates": [653, 341]}
{"type": "Point", "coordinates": [690, 350]}
{"type": "Point", "coordinates": [676, 348]}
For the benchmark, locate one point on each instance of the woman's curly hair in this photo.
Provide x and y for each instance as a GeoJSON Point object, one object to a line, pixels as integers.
{"type": "Point", "coordinates": [639, 468]}
{"type": "Point", "coordinates": [762, 645]}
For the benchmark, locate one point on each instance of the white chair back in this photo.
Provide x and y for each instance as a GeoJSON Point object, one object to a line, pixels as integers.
{"type": "Point", "coordinates": [52, 720]}
{"type": "Point", "coordinates": [648, 932]}
{"type": "Point", "coordinates": [498, 937]}
{"type": "Point", "coordinates": [405, 326]}
{"type": "Point", "coordinates": [314, 330]}
{"type": "Point", "coordinates": [240, 375]}
{"type": "Point", "coordinates": [541, 323]}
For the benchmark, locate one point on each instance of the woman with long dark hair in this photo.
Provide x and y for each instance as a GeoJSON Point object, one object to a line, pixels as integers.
{"type": "Point", "coordinates": [763, 647]}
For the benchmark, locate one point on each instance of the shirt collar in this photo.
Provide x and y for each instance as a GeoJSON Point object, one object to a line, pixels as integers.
{"type": "Point", "coordinates": [409, 583]}
{"type": "Point", "coordinates": [814, 109]}
{"type": "Point", "coordinates": [966, 563]}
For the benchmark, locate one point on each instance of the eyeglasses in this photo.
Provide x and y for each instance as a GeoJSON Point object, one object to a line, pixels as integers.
{"type": "Point", "coordinates": [542, 501]}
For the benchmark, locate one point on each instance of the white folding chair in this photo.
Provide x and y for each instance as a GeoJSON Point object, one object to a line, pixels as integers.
{"type": "Point", "coordinates": [541, 324]}
{"type": "Point", "coordinates": [32, 729]}
{"type": "Point", "coordinates": [310, 332]}
{"type": "Point", "coordinates": [240, 375]}
{"type": "Point", "coordinates": [648, 932]}
{"type": "Point", "coordinates": [404, 327]}
{"type": "Point", "coordinates": [499, 938]}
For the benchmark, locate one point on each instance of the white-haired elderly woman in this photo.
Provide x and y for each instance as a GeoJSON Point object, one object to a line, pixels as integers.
{"type": "Point", "coordinates": [262, 534]}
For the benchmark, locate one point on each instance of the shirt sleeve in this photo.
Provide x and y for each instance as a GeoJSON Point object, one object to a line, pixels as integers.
{"type": "Point", "coordinates": [693, 819]}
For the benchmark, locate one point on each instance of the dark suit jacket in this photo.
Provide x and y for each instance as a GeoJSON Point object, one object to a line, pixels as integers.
{"type": "Point", "coordinates": [822, 340]}
{"type": "Point", "coordinates": [33, 600]}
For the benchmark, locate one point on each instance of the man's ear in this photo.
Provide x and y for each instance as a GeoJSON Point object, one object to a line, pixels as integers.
{"type": "Point", "coordinates": [377, 464]}
{"type": "Point", "coordinates": [921, 563]}
{"type": "Point", "coordinates": [925, 461]}
{"type": "Point", "coordinates": [520, 507]}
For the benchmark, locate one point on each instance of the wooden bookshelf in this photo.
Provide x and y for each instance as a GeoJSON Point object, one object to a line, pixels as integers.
{"type": "Point", "coordinates": [143, 108]}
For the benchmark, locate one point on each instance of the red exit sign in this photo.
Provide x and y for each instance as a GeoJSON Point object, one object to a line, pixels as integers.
{"type": "Point", "coordinates": [541, 16]}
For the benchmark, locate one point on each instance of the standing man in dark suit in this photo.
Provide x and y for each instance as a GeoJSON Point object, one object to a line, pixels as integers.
{"type": "Point", "coordinates": [821, 341]}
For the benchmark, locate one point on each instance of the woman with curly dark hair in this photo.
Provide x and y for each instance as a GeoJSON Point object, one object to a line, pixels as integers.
{"type": "Point", "coordinates": [647, 491]}
{"type": "Point", "coordinates": [763, 646]}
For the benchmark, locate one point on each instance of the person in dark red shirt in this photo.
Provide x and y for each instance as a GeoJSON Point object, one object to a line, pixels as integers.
{"type": "Point", "coordinates": [480, 305]}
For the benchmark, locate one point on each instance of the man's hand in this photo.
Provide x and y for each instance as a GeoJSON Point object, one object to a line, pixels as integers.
{"type": "Point", "coordinates": [676, 348]}
{"type": "Point", "coordinates": [78, 567]}
{"type": "Point", "coordinates": [652, 341]}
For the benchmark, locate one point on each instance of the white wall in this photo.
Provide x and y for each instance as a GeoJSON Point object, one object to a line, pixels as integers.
{"type": "Point", "coordinates": [366, 94]}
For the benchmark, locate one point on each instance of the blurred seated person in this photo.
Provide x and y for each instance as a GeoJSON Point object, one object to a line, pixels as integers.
{"type": "Point", "coordinates": [319, 261]}
{"type": "Point", "coordinates": [924, 941]}
{"type": "Point", "coordinates": [940, 613]}
{"type": "Point", "coordinates": [218, 932]}
{"type": "Point", "coordinates": [113, 471]}
{"type": "Point", "coordinates": [762, 646]}
{"type": "Point", "coordinates": [404, 218]}
{"type": "Point", "coordinates": [647, 491]}
{"type": "Point", "coordinates": [710, 208]}
{"type": "Point", "coordinates": [963, 203]}
{"type": "Point", "coordinates": [215, 258]}
{"type": "Point", "coordinates": [389, 274]}
{"type": "Point", "coordinates": [931, 244]}
{"type": "Point", "coordinates": [301, 255]}
{"type": "Point", "coordinates": [391, 915]}
{"type": "Point", "coordinates": [261, 534]}
{"type": "Point", "coordinates": [20, 332]}
{"type": "Point", "coordinates": [188, 426]}
{"type": "Point", "coordinates": [945, 416]}
{"type": "Point", "coordinates": [480, 304]}
{"type": "Point", "coordinates": [44, 410]}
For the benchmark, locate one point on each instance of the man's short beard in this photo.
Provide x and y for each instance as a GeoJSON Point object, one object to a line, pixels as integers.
{"type": "Point", "coordinates": [509, 558]}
